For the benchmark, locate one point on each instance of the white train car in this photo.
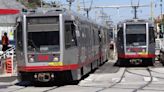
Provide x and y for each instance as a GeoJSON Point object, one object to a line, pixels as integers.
{"type": "Point", "coordinates": [136, 42]}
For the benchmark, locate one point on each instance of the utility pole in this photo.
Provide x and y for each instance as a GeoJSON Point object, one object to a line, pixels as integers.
{"type": "Point", "coordinates": [118, 12]}
{"type": "Point", "coordinates": [152, 10]}
{"type": "Point", "coordinates": [161, 7]}
{"type": "Point", "coordinates": [78, 6]}
{"type": "Point", "coordinates": [41, 3]}
{"type": "Point", "coordinates": [135, 11]}
{"type": "Point", "coordinates": [162, 33]}
{"type": "Point", "coordinates": [87, 11]}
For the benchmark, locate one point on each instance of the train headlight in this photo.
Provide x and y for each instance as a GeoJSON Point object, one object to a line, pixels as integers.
{"type": "Point", "coordinates": [128, 50]}
{"type": "Point", "coordinates": [31, 59]}
{"type": "Point", "coordinates": [143, 50]}
{"type": "Point", "coordinates": [55, 59]}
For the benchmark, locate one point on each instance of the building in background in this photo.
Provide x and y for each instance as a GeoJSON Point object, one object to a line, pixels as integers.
{"type": "Point", "coordinates": [9, 11]}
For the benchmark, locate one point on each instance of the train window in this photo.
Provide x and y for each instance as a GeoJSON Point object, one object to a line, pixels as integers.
{"type": "Point", "coordinates": [43, 24]}
{"type": "Point", "coordinates": [105, 36]}
{"type": "Point", "coordinates": [97, 35]}
{"type": "Point", "coordinates": [19, 37]}
{"type": "Point", "coordinates": [136, 28]}
{"type": "Point", "coordinates": [135, 34]}
{"type": "Point", "coordinates": [151, 35]}
{"type": "Point", "coordinates": [87, 38]}
{"type": "Point", "coordinates": [83, 36]}
{"type": "Point", "coordinates": [120, 36]}
{"type": "Point", "coordinates": [93, 36]}
{"type": "Point", "coordinates": [43, 33]}
{"type": "Point", "coordinates": [43, 41]}
{"type": "Point", "coordinates": [110, 33]}
{"type": "Point", "coordinates": [43, 20]}
{"type": "Point", "coordinates": [135, 39]}
{"type": "Point", "coordinates": [70, 35]}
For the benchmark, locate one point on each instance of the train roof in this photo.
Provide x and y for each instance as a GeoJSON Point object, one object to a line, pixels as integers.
{"type": "Point", "coordinates": [69, 15]}
{"type": "Point", "coordinates": [136, 21]}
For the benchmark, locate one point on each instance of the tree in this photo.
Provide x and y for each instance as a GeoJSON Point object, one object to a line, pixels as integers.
{"type": "Point", "coordinates": [31, 3]}
{"type": "Point", "coordinates": [161, 26]}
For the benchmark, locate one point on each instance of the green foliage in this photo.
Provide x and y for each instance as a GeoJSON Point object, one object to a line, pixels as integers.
{"type": "Point", "coordinates": [30, 3]}
{"type": "Point", "coordinates": [161, 30]}
{"type": "Point", "coordinates": [162, 21]}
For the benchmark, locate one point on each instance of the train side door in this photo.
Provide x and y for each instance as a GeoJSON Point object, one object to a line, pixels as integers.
{"type": "Point", "coordinates": [71, 50]}
{"type": "Point", "coordinates": [19, 43]}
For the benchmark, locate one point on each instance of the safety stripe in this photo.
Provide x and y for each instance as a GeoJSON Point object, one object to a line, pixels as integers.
{"type": "Point", "coordinates": [136, 56]}
{"type": "Point", "coordinates": [8, 11]}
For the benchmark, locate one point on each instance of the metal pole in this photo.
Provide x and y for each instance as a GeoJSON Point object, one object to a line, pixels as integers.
{"type": "Point", "coordinates": [152, 10]}
{"type": "Point", "coordinates": [118, 13]}
{"type": "Point", "coordinates": [87, 13]}
{"type": "Point", "coordinates": [78, 6]}
{"type": "Point", "coordinates": [161, 8]}
{"type": "Point", "coordinates": [41, 3]}
{"type": "Point", "coordinates": [161, 17]}
{"type": "Point", "coordinates": [70, 5]}
{"type": "Point", "coordinates": [135, 12]}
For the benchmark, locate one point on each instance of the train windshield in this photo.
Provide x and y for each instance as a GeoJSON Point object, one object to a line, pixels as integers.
{"type": "Point", "coordinates": [43, 34]}
{"type": "Point", "coordinates": [136, 34]}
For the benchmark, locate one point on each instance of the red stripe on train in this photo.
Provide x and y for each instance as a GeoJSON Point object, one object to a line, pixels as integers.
{"type": "Point", "coordinates": [136, 56]}
{"type": "Point", "coordinates": [59, 68]}
{"type": "Point", "coordinates": [47, 68]}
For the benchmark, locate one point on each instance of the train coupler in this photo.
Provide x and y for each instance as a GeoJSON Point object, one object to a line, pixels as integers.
{"type": "Point", "coordinates": [136, 61]}
{"type": "Point", "coordinates": [44, 77]}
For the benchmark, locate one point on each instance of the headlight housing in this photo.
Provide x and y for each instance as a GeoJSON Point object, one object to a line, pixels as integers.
{"type": "Point", "coordinates": [56, 59]}
{"type": "Point", "coordinates": [31, 58]}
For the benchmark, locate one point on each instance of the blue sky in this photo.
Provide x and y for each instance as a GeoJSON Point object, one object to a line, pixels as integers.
{"type": "Point", "coordinates": [124, 13]}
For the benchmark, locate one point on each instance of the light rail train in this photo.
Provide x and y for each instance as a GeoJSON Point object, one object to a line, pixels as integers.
{"type": "Point", "coordinates": [58, 45]}
{"type": "Point", "coordinates": [136, 42]}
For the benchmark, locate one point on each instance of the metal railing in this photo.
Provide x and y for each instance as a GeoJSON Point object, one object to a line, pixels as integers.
{"type": "Point", "coordinates": [8, 54]}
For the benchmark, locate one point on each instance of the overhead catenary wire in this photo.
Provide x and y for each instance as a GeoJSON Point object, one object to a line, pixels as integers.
{"type": "Point", "coordinates": [91, 4]}
{"type": "Point", "coordinates": [87, 9]}
{"type": "Point", "coordinates": [84, 4]}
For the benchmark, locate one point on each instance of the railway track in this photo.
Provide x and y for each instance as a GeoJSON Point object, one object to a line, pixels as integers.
{"type": "Point", "coordinates": [125, 78]}
{"type": "Point", "coordinates": [148, 74]}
